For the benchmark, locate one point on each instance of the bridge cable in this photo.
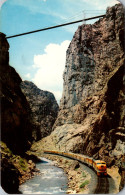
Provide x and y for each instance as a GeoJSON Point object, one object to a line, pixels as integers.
{"type": "Point", "coordinates": [52, 27]}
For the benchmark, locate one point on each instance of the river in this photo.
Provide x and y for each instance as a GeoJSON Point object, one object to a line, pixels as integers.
{"type": "Point", "coordinates": [52, 180]}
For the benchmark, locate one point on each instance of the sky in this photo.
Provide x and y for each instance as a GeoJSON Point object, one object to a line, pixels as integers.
{"type": "Point", "coordinates": [40, 57]}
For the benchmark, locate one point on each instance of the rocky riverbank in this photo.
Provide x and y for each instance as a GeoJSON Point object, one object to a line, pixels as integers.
{"type": "Point", "coordinates": [16, 169]}
{"type": "Point", "coordinates": [78, 179]}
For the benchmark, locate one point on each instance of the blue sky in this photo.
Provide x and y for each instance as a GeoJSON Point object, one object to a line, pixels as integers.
{"type": "Point", "coordinates": [40, 57]}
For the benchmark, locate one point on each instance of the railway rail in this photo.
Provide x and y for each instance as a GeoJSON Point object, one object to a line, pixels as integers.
{"type": "Point", "coordinates": [102, 186]}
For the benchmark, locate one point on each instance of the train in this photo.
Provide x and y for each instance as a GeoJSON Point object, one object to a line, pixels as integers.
{"type": "Point", "coordinates": [99, 166]}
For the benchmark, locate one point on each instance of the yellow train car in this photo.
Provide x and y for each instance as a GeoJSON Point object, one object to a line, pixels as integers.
{"type": "Point", "coordinates": [79, 158]}
{"type": "Point", "coordinates": [90, 162]}
{"type": "Point", "coordinates": [83, 159]}
{"type": "Point", "coordinates": [98, 165]}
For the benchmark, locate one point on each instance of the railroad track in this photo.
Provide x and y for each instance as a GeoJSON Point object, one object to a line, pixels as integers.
{"type": "Point", "coordinates": [102, 186]}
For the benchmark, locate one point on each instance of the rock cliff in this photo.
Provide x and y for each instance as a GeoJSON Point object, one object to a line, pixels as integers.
{"type": "Point", "coordinates": [16, 124]}
{"type": "Point", "coordinates": [94, 55]}
{"type": "Point", "coordinates": [18, 127]}
{"type": "Point", "coordinates": [43, 106]}
{"type": "Point", "coordinates": [91, 119]}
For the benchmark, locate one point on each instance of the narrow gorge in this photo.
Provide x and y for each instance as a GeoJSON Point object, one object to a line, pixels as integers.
{"type": "Point", "coordinates": [21, 123]}
{"type": "Point", "coordinates": [90, 119]}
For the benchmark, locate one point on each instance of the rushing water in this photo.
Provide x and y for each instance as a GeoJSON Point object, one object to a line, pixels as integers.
{"type": "Point", "coordinates": [51, 181]}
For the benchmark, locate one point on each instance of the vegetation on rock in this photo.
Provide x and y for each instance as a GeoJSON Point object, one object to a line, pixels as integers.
{"type": "Point", "coordinates": [14, 169]}
{"type": "Point", "coordinates": [84, 184]}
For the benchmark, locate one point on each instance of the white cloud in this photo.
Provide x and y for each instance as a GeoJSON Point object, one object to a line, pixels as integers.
{"type": "Point", "coordinates": [122, 1]}
{"type": "Point", "coordinates": [28, 76]}
{"type": "Point", "coordinates": [50, 67]}
{"type": "Point", "coordinates": [2, 2]}
{"type": "Point", "coordinates": [113, 2]}
{"type": "Point", "coordinates": [58, 95]}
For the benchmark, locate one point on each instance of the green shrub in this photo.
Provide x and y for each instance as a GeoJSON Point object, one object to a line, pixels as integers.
{"type": "Point", "coordinates": [83, 174]}
{"type": "Point", "coordinates": [84, 184]}
{"type": "Point", "coordinates": [23, 164]}
{"type": "Point", "coordinates": [76, 169]}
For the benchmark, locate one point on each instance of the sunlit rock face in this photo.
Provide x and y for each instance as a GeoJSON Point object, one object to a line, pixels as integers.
{"type": "Point", "coordinates": [91, 119]}
{"type": "Point", "coordinates": [94, 53]}
{"type": "Point", "coordinates": [43, 106]}
{"type": "Point", "coordinates": [94, 75]}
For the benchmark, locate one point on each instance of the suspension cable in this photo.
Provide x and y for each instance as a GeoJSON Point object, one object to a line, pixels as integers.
{"type": "Point", "coordinates": [57, 26]}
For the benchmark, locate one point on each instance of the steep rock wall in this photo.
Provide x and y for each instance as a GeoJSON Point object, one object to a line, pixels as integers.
{"type": "Point", "coordinates": [93, 93]}
{"type": "Point", "coordinates": [91, 119]}
{"type": "Point", "coordinates": [16, 125]}
{"type": "Point", "coordinates": [43, 106]}
{"type": "Point", "coordinates": [92, 57]}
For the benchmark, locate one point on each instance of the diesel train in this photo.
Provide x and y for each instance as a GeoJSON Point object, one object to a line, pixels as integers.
{"type": "Point", "coordinates": [98, 165]}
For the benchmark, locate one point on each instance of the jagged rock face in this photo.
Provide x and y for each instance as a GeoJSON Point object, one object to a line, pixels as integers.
{"type": "Point", "coordinates": [92, 56]}
{"type": "Point", "coordinates": [91, 119]}
{"type": "Point", "coordinates": [43, 105]}
{"type": "Point", "coordinates": [16, 125]}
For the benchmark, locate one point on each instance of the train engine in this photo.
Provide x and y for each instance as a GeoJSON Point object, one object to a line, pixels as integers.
{"type": "Point", "coordinates": [100, 167]}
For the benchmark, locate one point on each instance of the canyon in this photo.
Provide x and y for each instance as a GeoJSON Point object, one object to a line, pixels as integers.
{"type": "Point", "coordinates": [19, 129]}
{"type": "Point", "coordinates": [91, 117]}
